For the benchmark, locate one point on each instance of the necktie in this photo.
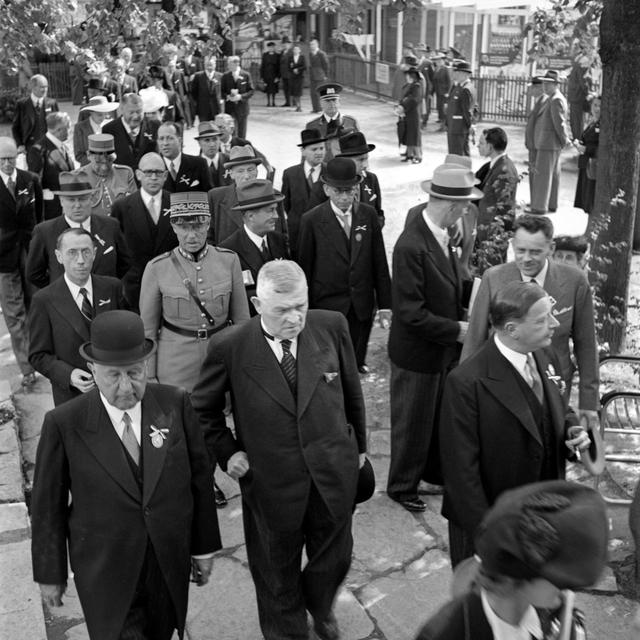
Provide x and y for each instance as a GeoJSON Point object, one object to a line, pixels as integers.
{"type": "Point", "coordinates": [310, 178]}
{"type": "Point", "coordinates": [129, 439]}
{"type": "Point", "coordinates": [37, 107]}
{"type": "Point", "coordinates": [288, 365]}
{"type": "Point", "coordinates": [346, 224]}
{"type": "Point", "coordinates": [65, 155]}
{"type": "Point", "coordinates": [172, 170]}
{"type": "Point", "coordinates": [534, 380]}
{"type": "Point", "coordinates": [87, 309]}
{"type": "Point", "coordinates": [153, 210]}
{"type": "Point", "coordinates": [11, 186]}
{"type": "Point", "coordinates": [264, 250]}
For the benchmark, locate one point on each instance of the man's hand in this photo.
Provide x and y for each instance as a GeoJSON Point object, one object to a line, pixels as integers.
{"type": "Point", "coordinates": [384, 318]}
{"type": "Point", "coordinates": [82, 380]}
{"type": "Point", "coordinates": [578, 438]}
{"type": "Point", "coordinates": [22, 149]}
{"type": "Point", "coordinates": [52, 594]}
{"type": "Point", "coordinates": [361, 459]}
{"type": "Point", "coordinates": [462, 333]}
{"type": "Point", "coordinates": [201, 570]}
{"type": "Point", "coordinates": [589, 419]}
{"type": "Point", "coordinates": [238, 465]}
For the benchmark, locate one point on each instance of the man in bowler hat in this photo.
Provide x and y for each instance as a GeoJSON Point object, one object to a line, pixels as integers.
{"type": "Point", "coordinates": [143, 517]}
{"type": "Point", "coordinates": [296, 448]}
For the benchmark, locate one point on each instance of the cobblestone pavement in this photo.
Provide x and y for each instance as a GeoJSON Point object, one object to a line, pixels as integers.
{"type": "Point", "coordinates": [400, 573]}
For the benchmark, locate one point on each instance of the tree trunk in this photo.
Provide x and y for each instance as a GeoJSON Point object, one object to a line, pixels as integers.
{"type": "Point", "coordinates": [612, 223]}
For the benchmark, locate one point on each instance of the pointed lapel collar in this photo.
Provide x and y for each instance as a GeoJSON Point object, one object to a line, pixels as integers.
{"type": "Point", "coordinates": [97, 231]}
{"type": "Point", "coordinates": [250, 252]}
{"type": "Point", "coordinates": [22, 182]}
{"type": "Point", "coordinates": [57, 157]}
{"type": "Point", "coordinates": [138, 213]}
{"type": "Point", "coordinates": [153, 457]}
{"type": "Point", "coordinates": [64, 303]}
{"type": "Point", "coordinates": [551, 392]}
{"type": "Point", "coordinates": [164, 225]}
{"type": "Point", "coordinates": [231, 199]}
{"type": "Point", "coordinates": [265, 371]}
{"type": "Point", "coordinates": [503, 385]}
{"type": "Point", "coordinates": [309, 367]}
{"type": "Point", "coordinates": [358, 219]}
{"type": "Point", "coordinates": [6, 200]}
{"type": "Point", "coordinates": [553, 283]}
{"type": "Point", "coordinates": [101, 296]}
{"type": "Point", "coordinates": [333, 231]}
{"type": "Point", "coordinates": [99, 435]}
{"type": "Point", "coordinates": [435, 252]}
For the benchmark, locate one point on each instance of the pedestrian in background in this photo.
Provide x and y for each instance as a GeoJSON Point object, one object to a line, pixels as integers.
{"type": "Point", "coordinates": [297, 67]}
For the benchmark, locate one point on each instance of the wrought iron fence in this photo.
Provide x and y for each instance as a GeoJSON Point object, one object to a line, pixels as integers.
{"type": "Point", "coordinates": [57, 73]}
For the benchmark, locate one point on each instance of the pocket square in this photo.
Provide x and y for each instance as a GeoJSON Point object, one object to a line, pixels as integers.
{"type": "Point", "coordinates": [330, 376]}
{"type": "Point", "coordinates": [101, 303]}
{"type": "Point", "coordinates": [108, 250]}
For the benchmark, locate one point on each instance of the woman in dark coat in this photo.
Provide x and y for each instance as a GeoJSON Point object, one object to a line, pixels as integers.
{"type": "Point", "coordinates": [297, 66]}
{"type": "Point", "coordinates": [270, 73]}
{"type": "Point", "coordinates": [587, 162]}
{"type": "Point", "coordinates": [410, 104]}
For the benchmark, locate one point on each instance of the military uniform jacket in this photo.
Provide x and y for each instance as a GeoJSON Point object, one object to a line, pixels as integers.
{"type": "Point", "coordinates": [118, 184]}
{"type": "Point", "coordinates": [462, 108]}
{"type": "Point", "coordinates": [217, 279]}
{"type": "Point", "coordinates": [339, 125]}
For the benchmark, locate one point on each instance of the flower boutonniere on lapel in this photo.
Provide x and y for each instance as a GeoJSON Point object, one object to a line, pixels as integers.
{"type": "Point", "coordinates": [556, 379]}
{"type": "Point", "coordinates": [158, 436]}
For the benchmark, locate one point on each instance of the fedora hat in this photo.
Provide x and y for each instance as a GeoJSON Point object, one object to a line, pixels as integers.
{"type": "Point", "coordinates": [354, 144]}
{"type": "Point", "coordinates": [255, 194]}
{"type": "Point", "coordinates": [535, 80]}
{"type": "Point", "coordinates": [189, 203]}
{"type": "Point", "coordinates": [100, 104]}
{"type": "Point", "coordinates": [208, 129]}
{"type": "Point", "coordinates": [117, 338]}
{"type": "Point", "coordinates": [340, 173]}
{"type": "Point", "coordinates": [366, 482]}
{"type": "Point", "coordinates": [74, 183]}
{"type": "Point", "coordinates": [550, 76]}
{"type": "Point", "coordinates": [311, 136]}
{"type": "Point", "coordinates": [452, 182]}
{"type": "Point", "coordinates": [462, 65]}
{"type": "Point", "coordinates": [101, 143]}
{"type": "Point", "coordinates": [555, 530]}
{"type": "Point", "coordinates": [242, 155]}
{"type": "Point", "coordinates": [329, 90]}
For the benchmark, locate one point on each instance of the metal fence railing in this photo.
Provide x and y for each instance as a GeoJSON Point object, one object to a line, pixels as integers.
{"type": "Point", "coordinates": [57, 73]}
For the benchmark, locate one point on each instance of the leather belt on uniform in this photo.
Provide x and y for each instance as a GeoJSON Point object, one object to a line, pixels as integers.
{"type": "Point", "coordinates": [199, 334]}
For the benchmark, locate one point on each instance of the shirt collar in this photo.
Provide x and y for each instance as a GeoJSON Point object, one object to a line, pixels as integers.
{"type": "Point", "coordinates": [187, 256]}
{"type": "Point", "coordinates": [147, 197]}
{"type": "Point", "coordinates": [128, 129]}
{"type": "Point", "coordinates": [35, 100]}
{"type": "Point", "coordinates": [540, 278]}
{"type": "Point", "coordinates": [176, 162]}
{"type": "Point", "coordinates": [440, 234]}
{"type": "Point", "coordinates": [339, 212]}
{"type": "Point", "coordinates": [76, 225]}
{"type": "Point", "coordinates": [97, 128]}
{"type": "Point", "coordinates": [75, 289]}
{"type": "Point", "coordinates": [494, 160]}
{"type": "Point", "coordinates": [315, 169]}
{"type": "Point", "coordinates": [59, 144]}
{"type": "Point", "coordinates": [528, 626]}
{"type": "Point", "coordinates": [517, 359]}
{"type": "Point", "coordinates": [324, 115]}
{"type": "Point", "coordinates": [254, 237]}
{"type": "Point", "coordinates": [6, 178]}
{"type": "Point", "coordinates": [115, 415]}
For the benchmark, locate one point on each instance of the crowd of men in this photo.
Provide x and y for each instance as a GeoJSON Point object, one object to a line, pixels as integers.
{"type": "Point", "coordinates": [160, 291]}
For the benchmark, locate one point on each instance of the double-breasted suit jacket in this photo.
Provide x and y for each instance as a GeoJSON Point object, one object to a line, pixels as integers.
{"type": "Point", "coordinates": [573, 309]}
{"type": "Point", "coordinates": [57, 328]}
{"type": "Point", "coordinates": [191, 175]}
{"type": "Point", "coordinates": [490, 440]}
{"type": "Point", "coordinates": [344, 273]}
{"type": "Point", "coordinates": [111, 521]}
{"type": "Point", "coordinates": [112, 253]}
{"type": "Point", "coordinates": [289, 444]}
{"type": "Point", "coordinates": [130, 151]}
{"type": "Point", "coordinates": [28, 126]}
{"type": "Point", "coordinates": [148, 238]}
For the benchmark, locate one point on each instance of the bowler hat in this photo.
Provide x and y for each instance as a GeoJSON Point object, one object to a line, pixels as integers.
{"type": "Point", "coordinates": [100, 104]}
{"type": "Point", "coordinates": [208, 129]}
{"type": "Point", "coordinates": [189, 203]}
{"type": "Point", "coordinates": [74, 183]}
{"type": "Point", "coordinates": [452, 182]}
{"type": "Point", "coordinates": [242, 155]}
{"type": "Point", "coordinates": [255, 194]}
{"type": "Point", "coordinates": [555, 530]}
{"type": "Point", "coordinates": [340, 173]}
{"type": "Point", "coordinates": [94, 83]}
{"type": "Point", "coordinates": [101, 143]}
{"type": "Point", "coordinates": [329, 90]}
{"type": "Point", "coordinates": [117, 338]}
{"type": "Point", "coordinates": [366, 482]}
{"type": "Point", "coordinates": [550, 76]}
{"type": "Point", "coordinates": [354, 144]}
{"type": "Point", "coordinates": [462, 65]}
{"type": "Point", "coordinates": [311, 136]}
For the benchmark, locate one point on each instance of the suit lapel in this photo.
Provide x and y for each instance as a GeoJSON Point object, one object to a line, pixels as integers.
{"type": "Point", "coordinates": [105, 445]}
{"type": "Point", "coordinates": [309, 367]}
{"type": "Point", "coordinates": [164, 225]}
{"type": "Point", "coordinates": [358, 221]}
{"type": "Point", "coordinates": [96, 231]}
{"type": "Point", "coordinates": [102, 300]}
{"type": "Point", "coordinates": [153, 457]}
{"type": "Point", "coordinates": [64, 303]}
{"type": "Point", "coordinates": [436, 253]}
{"type": "Point", "coordinates": [7, 202]}
{"type": "Point", "coordinates": [231, 199]}
{"type": "Point", "coordinates": [553, 285]}
{"type": "Point", "coordinates": [250, 252]}
{"type": "Point", "coordinates": [551, 392]}
{"type": "Point", "coordinates": [138, 213]}
{"type": "Point", "coordinates": [57, 157]}
{"type": "Point", "coordinates": [333, 231]}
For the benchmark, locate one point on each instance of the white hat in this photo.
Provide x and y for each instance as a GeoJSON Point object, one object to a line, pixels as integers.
{"type": "Point", "coordinates": [153, 99]}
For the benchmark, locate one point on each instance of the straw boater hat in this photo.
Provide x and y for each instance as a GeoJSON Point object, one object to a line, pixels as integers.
{"type": "Point", "coordinates": [101, 143]}
{"type": "Point", "coordinates": [117, 339]}
{"type": "Point", "coordinates": [354, 144]}
{"type": "Point", "coordinates": [242, 155]}
{"type": "Point", "coordinates": [100, 104]}
{"type": "Point", "coordinates": [74, 184]}
{"type": "Point", "coordinates": [341, 174]}
{"type": "Point", "coordinates": [311, 136]}
{"type": "Point", "coordinates": [187, 204]}
{"type": "Point", "coordinates": [208, 129]}
{"type": "Point", "coordinates": [255, 194]}
{"type": "Point", "coordinates": [452, 182]}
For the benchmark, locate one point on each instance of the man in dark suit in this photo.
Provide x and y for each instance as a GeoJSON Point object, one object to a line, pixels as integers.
{"type": "Point", "coordinates": [318, 72]}
{"type": "Point", "coordinates": [112, 253]}
{"type": "Point", "coordinates": [426, 331]}
{"type": "Point", "coordinates": [29, 121]}
{"type": "Point", "coordinates": [133, 134]}
{"type": "Point", "coordinates": [285, 71]}
{"type": "Point", "coordinates": [177, 81]}
{"type": "Point", "coordinates": [50, 156]}
{"type": "Point", "coordinates": [141, 485]}
{"type": "Point", "coordinates": [144, 220]}
{"type": "Point", "coordinates": [236, 90]}
{"type": "Point", "coordinates": [59, 318]}
{"type": "Point", "coordinates": [257, 242]}
{"type": "Point", "coordinates": [125, 83]}
{"type": "Point", "coordinates": [205, 91]}
{"type": "Point", "coordinates": [298, 181]}
{"type": "Point", "coordinates": [503, 422]}
{"type": "Point", "coordinates": [270, 72]}
{"type": "Point", "coordinates": [242, 167]}
{"type": "Point", "coordinates": [539, 97]}
{"type": "Point", "coordinates": [568, 286]}
{"type": "Point", "coordinates": [462, 109]}
{"type": "Point", "coordinates": [297, 447]}
{"type": "Point", "coordinates": [184, 172]}
{"type": "Point", "coordinates": [20, 209]}
{"type": "Point", "coordinates": [209, 140]}
{"type": "Point", "coordinates": [442, 83]}
{"type": "Point", "coordinates": [172, 111]}
{"type": "Point", "coordinates": [341, 251]}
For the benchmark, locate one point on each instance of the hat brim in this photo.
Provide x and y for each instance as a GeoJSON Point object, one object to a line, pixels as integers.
{"type": "Point", "coordinates": [475, 194]}
{"type": "Point", "coordinates": [119, 358]}
{"type": "Point", "coordinates": [274, 199]}
{"type": "Point", "coordinates": [340, 184]}
{"type": "Point", "coordinates": [209, 135]}
{"type": "Point", "coordinates": [233, 163]}
{"type": "Point", "coordinates": [310, 142]}
{"type": "Point", "coordinates": [356, 152]}
{"type": "Point", "coordinates": [81, 192]}
{"type": "Point", "coordinates": [102, 108]}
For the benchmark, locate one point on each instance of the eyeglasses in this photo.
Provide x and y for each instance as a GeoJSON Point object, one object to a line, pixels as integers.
{"type": "Point", "coordinates": [152, 173]}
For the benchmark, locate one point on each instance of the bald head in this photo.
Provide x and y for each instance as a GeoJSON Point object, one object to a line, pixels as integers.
{"type": "Point", "coordinates": [151, 173]}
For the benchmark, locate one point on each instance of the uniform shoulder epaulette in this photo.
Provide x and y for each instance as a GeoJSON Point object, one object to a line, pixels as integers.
{"type": "Point", "coordinates": [162, 256]}
{"type": "Point", "coordinates": [223, 249]}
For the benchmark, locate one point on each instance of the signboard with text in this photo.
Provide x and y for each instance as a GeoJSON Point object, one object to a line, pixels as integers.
{"type": "Point", "coordinates": [382, 73]}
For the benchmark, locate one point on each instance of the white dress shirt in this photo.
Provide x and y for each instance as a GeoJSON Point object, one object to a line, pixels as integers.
{"type": "Point", "coordinates": [79, 225]}
{"type": "Point", "coordinates": [59, 144]}
{"type": "Point", "coordinates": [528, 626]}
{"type": "Point", "coordinates": [315, 171]}
{"type": "Point", "coordinates": [339, 214]}
{"type": "Point", "coordinates": [115, 415]}
{"type": "Point", "coordinates": [518, 360]}
{"type": "Point", "coordinates": [441, 235]}
{"type": "Point", "coordinates": [176, 162]}
{"type": "Point", "coordinates": [157, 201]}
{"type": "Point", "coordinates": [6, 178]}
{"type": "Point", "coordinates": [540, 278]}
{"type": "Point", "coordinates": [276, 347]}
{"type": "Point", "coordinates": [75, 291]}
{"type": "Point", "coordinates": [37, 102]}
{"type": "Point", "coordinates": [255, 238]}
{"type": "Point", "coordinates": [132, 133]}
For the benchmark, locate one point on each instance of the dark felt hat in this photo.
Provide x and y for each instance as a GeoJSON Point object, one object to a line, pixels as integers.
{"type": "Point", "coordinates": [311, 136]}
{"type": "Point", "coordinates": [208, 129]}
{"type": "Point", "coordinates": [366, 482]}
{"type": "Point", "coordinates": [74, 183]}
{"type": "Point", "coordinates": [554, 530]}
{"type": "Point", "coordinates": [341, 173]}
{"type": "Point", "coordinates": [255, 194]}
{"type": "Point", "coordinates": [354, 144]}
{"type": "Point", "coordinates": [156, 72]}
{"type": "Point", "coordinates": [242, 155]}
{"type": "Point", "coordinates": [550, 76]}
{"type": "Point", "coordinates": [117, 338]}
{"type": "Point", "coordinates": [462, 65]}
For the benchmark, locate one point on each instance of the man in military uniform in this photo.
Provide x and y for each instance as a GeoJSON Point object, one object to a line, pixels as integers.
{"type": "Point", "coordinates": [331, 124]}
{"type": "Point", "coordinates": [462, 110]}
{"type": "Point", "coordinates": [110, 181]}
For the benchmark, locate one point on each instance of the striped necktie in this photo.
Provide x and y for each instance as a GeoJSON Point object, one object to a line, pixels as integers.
{"type": "Point", "coordinates": [87, 309]}
{"type": "Point", "coordinates": [129, 439]}
{"type": "Point", "coordinates": [288, 365]}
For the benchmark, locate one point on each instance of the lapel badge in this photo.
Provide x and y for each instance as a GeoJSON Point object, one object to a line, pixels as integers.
{"type": "Point", "coordinates": [358, 237]}
{"type": "Point", "coordinates": [158, 436]}
{"type": "Point", "coordinates": [23, 192]}
{"type": "Point", "coordinates": [101, 303]}
{"type": "Point", "coordinates": [166, 212]}
{"type": "Point", "coordinates": [330, 376]}
{"type": "Point", "coordinates": [99, 239]}
{"type": "Point", "coordinates": [361, 228]}
{"type": "Point", "coordinates": [184, 179]}
{"type": "Point", "coordinates": [148, 136]}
